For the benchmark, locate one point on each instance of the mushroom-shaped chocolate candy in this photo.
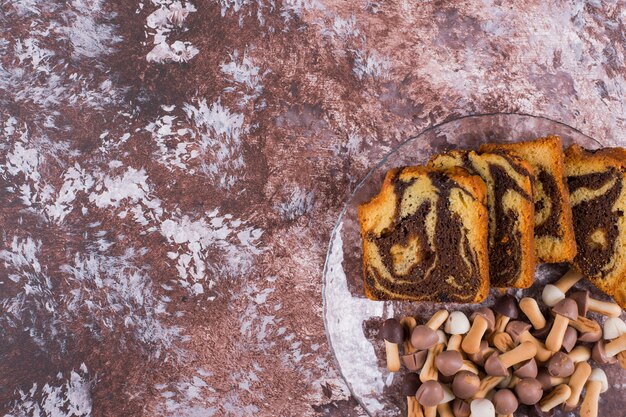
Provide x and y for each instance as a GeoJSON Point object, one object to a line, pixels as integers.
{"type": "Point", "coordinates": [482, 407]}
{"type": "Point", "coordinates": [460, 408]}
{"type": "Point", "coordinates": [429, 395]}
{"type": "Point", "coordinates": [530, 307]}
{"type": "Point", "coordinates": [576, 384]}
{"type": "Point", "coordinates": [410, 385]}
{"type": "Point", "coordinates": [560, 365]}
{"type": "Point", "coordinates": [429, 370]}
{"type": "Point", "coordinates": [604, 353]}
{"type": "Point", "coordinates": [498, 364]}
{"type": "Point", "coordinates": [548, 381]}
{"type": "Point", "coordinates": [580, 354]}
{"type": "Point", "coordinates": [456, 326]}
{"type": "Point", "coordinates": [569, 339]}
{"type": "Point", "coordinates": [414, 361]}
{"type": "Point", "coordinates": [483, 321]}
{"type": "Point", "coordinates": [506, 309]}
{"type": "Point", "coordinates": [565, 310]}
{"type": "Point", "coordinates": [558, 396]}
{"type": "Point", "coordinates": [527, 369]}
{"type": "Point", "coordinates": [590, 331]}
{"type": "Point", "coordinates": [393, 334]}
{"type": "Point", "coordinates": [465, 384]}
{"type": "Point", "coordinates": [553, 293]}
{"type": "Point", "coordinates": [586, 303]}
{"type": "Point", "coordinates": [543, 332]}
{"type": "Point", "coordinates": [528, 391]}
{"type": "Point", "coordinates": [483, 353]}
{"type": "Point", "coordinates": [425, 336]}
{"type": "Point", "coordinates": [519, 332]}
{"type": "Point", "coordinates": [596, 385]}
{"type": "Point", "coordinates": [615, 327]}
{"type": "Point", "coordinates": [451, 361]}
{"type": "Point", "coordinates": [505, 403]}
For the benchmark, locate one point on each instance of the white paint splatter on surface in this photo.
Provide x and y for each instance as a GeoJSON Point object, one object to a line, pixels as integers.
{"type": "Point", "coordinates": [69, 397]}
{"type": "Point", "coordinates": [169, 17]}
{"type": "Point", "coordinates": [205, 139]}
{"type": "Point", "coordinates": [232, 243]}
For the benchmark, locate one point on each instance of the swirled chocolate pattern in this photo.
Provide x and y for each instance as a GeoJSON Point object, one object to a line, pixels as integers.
{"type": "Point", "coordinates": [424, 237]}
{"type": "Point", "coordinates": [597, 184]}
{"type": "Point", "coordinates": [511, 212]}
{"type": "Point", "coordinates": [554, 233]}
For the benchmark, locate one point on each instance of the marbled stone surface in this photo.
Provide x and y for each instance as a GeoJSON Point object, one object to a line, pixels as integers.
{"type": "Point", "coordinates": [171, 171]}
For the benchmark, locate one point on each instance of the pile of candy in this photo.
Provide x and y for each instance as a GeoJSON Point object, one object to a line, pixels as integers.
{"type": "Point", "coordinates": [490, 363]}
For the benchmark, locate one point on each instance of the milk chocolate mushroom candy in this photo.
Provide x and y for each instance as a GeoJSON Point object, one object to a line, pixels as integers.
{"type": "Point", "coordinates": [425, 336]}
{"type": "Point", "coordinates": [409, 324]}
{"type": "Point", "coordinates": [604, 353]}
{"type": "Point", "coordinates": [528, 391]}
{"type": "Point", "coordinates": [576, 384]}
{"type": "Point", "coordinates": [560, 365]}
{"type": "Point", "coordinates": [565, 310]}
{"type": "Point", "coordinates": [518, 330]}
{"type": "Point", "coordinates": [527, 369]}
{"type": "Point", "coordinates": [596, 385]}
{"type": "Point", "coordinates": [429, 370]}
{"type": "Point", "coordinates": [569, 339]}
{"type": "Point", "coordinates": [414, 361]}
{"type": "Point", "coordinates": [548, 381]}
{"type": "Point", "coordinates": [530, 307]}
{"type": "Point", "coordinates": [465, 384]}
{"type": "Point", "coordinates": [410, 385]}
{"type": "Point", "coordinates": [483, 321]}
{"type": "Point", "coordinates": [482, 407]}
{"type": "Point", "coordinates": [558, 396]}
{"type": "Point", "coordinates": [586, 303]}
{"type": "Point", "coordinates": [483, 353]}
{"type": "Point", "coordinates": [505, 403]}
{"type": "Point", "coordinates": [553, 293]}
{"type": "Point", "coordinates": [590, 331]}
{"type": "Point", "coordinates": [451, 361]}
{"type": "Point", "coordinates": [460, 408]}
{"type": "Point", "coordinates": [393, 334]}
{"type": "Point", "coordinates": [497, 365]}
{"type": "Point", "coordinates": [615, 327]}
{"type": "Point", "coordinates": [429, 394]}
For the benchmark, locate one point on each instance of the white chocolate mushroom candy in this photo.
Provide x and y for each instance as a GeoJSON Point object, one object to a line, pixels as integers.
{"type": "Point", "coordinates": [614, 327]}
{"type": "Point", "coordinates": [482, 407]}
{"type": "Point", "coordinates": [457, 323]}
{"type": "Point", "coordinates": [551, 295]}
{"type": "Point", "coordinates": [596, 385]}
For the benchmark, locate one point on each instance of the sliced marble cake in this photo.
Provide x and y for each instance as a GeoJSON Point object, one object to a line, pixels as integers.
{"type": "Point", "coordinates": [425, 237]}
{"type": "Point", "coordinates": [554, 232]}
{"type": "Point", "coordinates": [597, 185]}
{"type": "Point", "coordinates": [509, 180]}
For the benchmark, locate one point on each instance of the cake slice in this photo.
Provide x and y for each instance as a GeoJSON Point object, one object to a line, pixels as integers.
{"type": "Point", "coordinates": [510, 201]}
{"type": "Point", "coordinates": [597, 185]}
{"type": "Point", "coordinates": [554, 232]}
{"type": "Point", "coordinates": [425, 237]}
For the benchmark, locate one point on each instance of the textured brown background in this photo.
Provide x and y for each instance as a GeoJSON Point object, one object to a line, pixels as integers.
{"type": "Point", "coordinates": [165, 224]}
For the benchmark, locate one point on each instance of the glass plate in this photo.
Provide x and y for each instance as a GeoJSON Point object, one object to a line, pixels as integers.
{"type": "Point", "coordinates": [352, 320]}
